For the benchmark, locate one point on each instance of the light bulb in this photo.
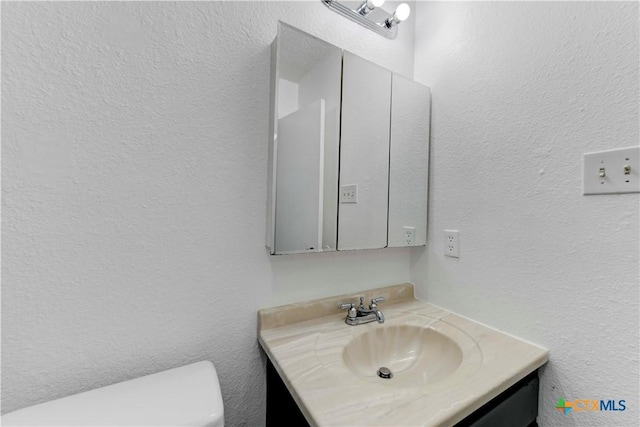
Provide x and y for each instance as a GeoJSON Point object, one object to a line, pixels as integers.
{"type": "Point", "coordinates": [402, 13]}
{"type": "Point", "coordinates": [372, 4]}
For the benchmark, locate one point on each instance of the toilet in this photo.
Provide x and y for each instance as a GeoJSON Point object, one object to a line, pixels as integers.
{"type": "Point", "coordinates": [185, 396]}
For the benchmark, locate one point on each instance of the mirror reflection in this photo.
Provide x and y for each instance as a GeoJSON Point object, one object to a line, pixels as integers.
{"type": "Point", "coordinates": [306, 139]}
{"type": "Point", "coordinates": [408, 163]}
{"type": "Point", "coordinates": [364, 154]}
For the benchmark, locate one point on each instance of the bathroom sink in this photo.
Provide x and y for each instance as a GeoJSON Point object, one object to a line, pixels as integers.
{"type": "Point", "coordinates": [420, 351]}
{"type": "Point", "coordinates": [414, 355]}
{"type": "Point", "coordinates": [444, 366]}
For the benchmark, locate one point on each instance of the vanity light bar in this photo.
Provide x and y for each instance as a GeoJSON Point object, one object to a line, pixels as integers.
{"type": "Point", "coordinates": [367, 6]}
{"type": "Point", "coordinates": [387, 28]}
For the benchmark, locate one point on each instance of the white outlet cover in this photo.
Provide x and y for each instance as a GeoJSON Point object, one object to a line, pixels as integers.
{"type": "Point", "coordinates": [612, 164]}
{"type": "Point", "coordinates": [410, 235]}
{"type": "Point", "coordinates": [452, 243]}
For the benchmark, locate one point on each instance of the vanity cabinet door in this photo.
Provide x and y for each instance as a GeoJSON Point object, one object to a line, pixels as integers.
{"type": "Point", "coordinates": [364, 154]}
{"type": "Point", "coordinates": [409, 162]}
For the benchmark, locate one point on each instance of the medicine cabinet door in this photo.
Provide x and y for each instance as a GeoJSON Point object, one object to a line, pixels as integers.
{"type": "Point", "coordinates": [364, 154]}
{"type": "Point", "coordinates": [303, 153]}
{"type": "Point", "coordinates": [409, 163]}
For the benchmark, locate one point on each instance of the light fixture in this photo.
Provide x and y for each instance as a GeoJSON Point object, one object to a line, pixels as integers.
{"type": "Point", "coordinates": [368, 5]}
{"type": "Point", "coordinates": [401, 14]}
{"type": "Point", "coordinates": [387, 24]}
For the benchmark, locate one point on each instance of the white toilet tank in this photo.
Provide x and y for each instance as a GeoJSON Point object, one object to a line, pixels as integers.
{"type": "Point", "coordinates": [185, 396]}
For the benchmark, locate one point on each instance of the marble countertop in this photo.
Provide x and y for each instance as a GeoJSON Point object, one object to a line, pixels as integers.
{"type": "Point", "coordinates": [305, 343]}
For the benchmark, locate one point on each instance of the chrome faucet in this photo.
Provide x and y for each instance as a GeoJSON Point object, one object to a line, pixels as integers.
{"type": "Point", "coordinates": [361, 314]}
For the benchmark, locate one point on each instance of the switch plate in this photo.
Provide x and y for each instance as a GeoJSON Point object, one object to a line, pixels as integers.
{"type": "Point", "coordinates": [612, 171]}
{"type": "Point", "coordinates": [349, 193]}
{"type": "Point", "coordinates": [452, 243]}
{"type": "Point", "coordinates": [410, 235]}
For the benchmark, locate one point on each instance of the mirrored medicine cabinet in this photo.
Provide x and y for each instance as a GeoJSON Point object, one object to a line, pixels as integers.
{"type": "Point", "coordinates": [348, 151]}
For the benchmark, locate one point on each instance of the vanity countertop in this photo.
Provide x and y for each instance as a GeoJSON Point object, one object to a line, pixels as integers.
{"type": "Point", "coordinates": [305, 343]}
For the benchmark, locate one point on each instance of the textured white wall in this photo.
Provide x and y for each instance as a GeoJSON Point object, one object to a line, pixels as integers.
{"type": "Point", "coordinates": [134, 142]}
{"type": "Point", "coordinates": [520, 91]}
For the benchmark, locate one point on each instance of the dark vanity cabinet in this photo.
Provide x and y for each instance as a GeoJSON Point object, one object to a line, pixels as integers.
{"type": "Point", "coordinates": [515, 407]}
{"type": "Point", "coordinates": [282, 410]}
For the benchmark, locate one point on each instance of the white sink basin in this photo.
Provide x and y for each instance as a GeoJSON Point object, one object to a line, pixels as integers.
{"type": "Point", "coordinates": [415, 355]}
{"type": "Point", "coordinates": [420, 351]}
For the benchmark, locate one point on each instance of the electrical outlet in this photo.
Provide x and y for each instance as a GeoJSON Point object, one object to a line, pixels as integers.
{"type": "Point", "coordinates": [452, 243]}
{"type": "Point", "coordinates": [349, 193]}
{"type": "Point", "coordinates": [410, 235]}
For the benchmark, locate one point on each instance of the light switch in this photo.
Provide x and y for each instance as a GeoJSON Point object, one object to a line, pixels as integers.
{"type": "Point", "coordinates": [612, 171]}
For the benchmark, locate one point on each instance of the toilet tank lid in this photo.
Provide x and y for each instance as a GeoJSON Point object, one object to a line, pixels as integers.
{"type": "Point", "coordinates": [189, 395]}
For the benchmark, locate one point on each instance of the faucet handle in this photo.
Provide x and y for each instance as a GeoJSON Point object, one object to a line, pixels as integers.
{"type": "Point", "coordinates": [375, 301]}
{"type": "Point", "coordinates": [349, 306]}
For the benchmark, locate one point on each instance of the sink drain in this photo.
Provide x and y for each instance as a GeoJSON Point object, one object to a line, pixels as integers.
{"type": "Point", "coordinates": [385, 373]}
